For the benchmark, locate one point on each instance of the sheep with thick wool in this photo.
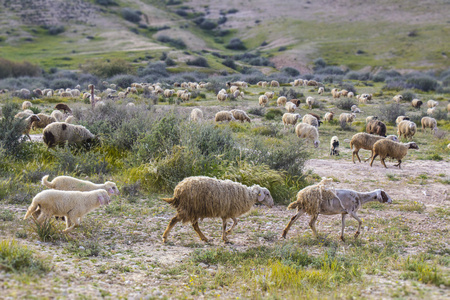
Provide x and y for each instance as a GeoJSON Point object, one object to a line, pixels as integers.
{"type": "Point", "coordinates": [407, 129]}
{"type": "Point", "coordinates": [290, 107]}
{"type": "Point", "coordinates": [416, 103]}
{"type": "Point", "coordinates": [290, 119]}
{"type": "Point", "coordinates": [68, 183]}
{"type": "Point", "coordinates": [309, 132]}
{"type": "Point", "coordinates": [201, 197]}
{"type": "Point", "coordinates": [274, 83]}
{"type": "Point", "coordinates": [222, 96]}
{"type": "Point", "coordinates": [432, 103]}
{"type": "Point", "coordinates": [310, 101]}
{"type": "Point", "coordinates": [168, 93]}
{"type": "Point", "coordinates": [72, 205]}
{"type": "Point", "coordinates": [44, 120]}
{"type": "Point", "coordinates": [329, 116]}
{"type": "Point", "coordinates": [320, 90]}
{"type": "Point", "coordinates": [311, 120]}
{"type": "Point", "coordinates": [59, 116]}
{"type": "Point", "coordinates": [335, 93]}
{"type": "Point", "coordinates": [58, 133]}
{"type": "Point", "coordinates": [26, 105]}
{"type": "Point", "coordinates": [365, 141]}
{"type": "Point", "coordinates": [29, 121]}
{"type": "Point", "coordinates": [397, 98]}
{"type": "Point", "coordinates": [24, 114]}
{"type": "Point", "coordinates": [401, 118]}
{"type": "Point", "coordinates": [240, 115]}
{"type": "Point", "coordinates": [269, 95]}
{"type": "Point", "coordinates": [388, 148]}
{"type": "Point", "coordinates": [347, 118]}
{"type": "Point", "coordinates": [355, 109]}
{"type": "Point", "coordinates": [224, 116]}
{"type": "Point", "coordinates": [281, 101]}
{"type": "Point", "coordinates": [371, 118]}
{"type": "Point", "coordinates": [428, 122]}
{"type": "Point", "coordinates": [196, 115]}
{"type": "Point", "coordinates": [263, 100]}
{"type": "Point", "coordinates": [334, 146]}
{"type": "Point", "coordinates": [376, 127]}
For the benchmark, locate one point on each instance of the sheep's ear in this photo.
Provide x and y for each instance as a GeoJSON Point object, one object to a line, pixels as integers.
{"type": "Point", "coordinates": [101, 199]}
{"type": "Point", "coordinates": [261, 195]}
{"type": "Point", "coordinates": [111, 191]}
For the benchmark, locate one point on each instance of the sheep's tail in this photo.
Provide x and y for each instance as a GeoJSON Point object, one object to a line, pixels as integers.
{"type": "Point", "coordinates": [46, 183]}
{"type": "Point", "coordinates": [172, 201]}
{"type": "Point", "coordinates": [293, 205]}
{"type": "Point", "coordinates": [351, 144]}
{"type": "Point", "coordinates": [33, 207]}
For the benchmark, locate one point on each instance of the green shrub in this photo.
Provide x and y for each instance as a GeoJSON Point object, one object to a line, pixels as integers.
{"type": "Point", "coordinates": [46, 231]}
{"type": "Point", "coordinates": [408, 96]}
{"type": "Point", "coordinates": [18, 69]}
{"type": "Point", "coordinates": [424, 83]}
{"type": "Point", "coordinates": [19, 259]}
{"type": "Point", "coordinates": [107, 68]}
{"type": "Point", "coordinates": [236, 44]}
{"type": "Point", "coordinates": [11, 140]}
{"type": "Point", "coordinates": [131, 15]}
{"type": "Point", "coordinates": [273, 113]}
{"type": "Point", "coordinates": [389, 113]}
{"type": "Point", "coordinates": [229, 62]}
{"type": "Point", "coordinates": [199, 62]}
{"type": "Point", "coordinates": [345, 103]}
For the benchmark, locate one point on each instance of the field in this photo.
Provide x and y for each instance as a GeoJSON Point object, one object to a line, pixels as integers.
{"type": "Point", "coordinates": [117, 252]}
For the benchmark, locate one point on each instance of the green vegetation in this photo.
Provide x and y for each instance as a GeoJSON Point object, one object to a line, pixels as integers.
{"type": "Point", "coordinates": [16, 258]}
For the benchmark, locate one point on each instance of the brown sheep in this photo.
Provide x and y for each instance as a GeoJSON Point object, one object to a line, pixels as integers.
{"type": "Point", "coordinates": [365, 141]}
{"type": "Point", "coordinates": [63, 107]}
{"type": "Point", "coordinates": [376, 127]}
{"type": "Point", "coordinates": [428, 122]}
{"type": "Point", "coordinates": [407, 129]}
{"type": "Point", "coordinates": [416, 103]}
{"type": "Point", "coordinates": [296, 102]}
{"type": "Point", "coordinates": [387, 148]}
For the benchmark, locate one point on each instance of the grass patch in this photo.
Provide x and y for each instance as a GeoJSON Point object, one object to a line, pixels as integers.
{"type": "Point", "coordinates": [19, 259]}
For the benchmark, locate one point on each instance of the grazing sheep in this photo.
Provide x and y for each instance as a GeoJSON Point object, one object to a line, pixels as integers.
{"type": "Point", "coordinates": [44, 120]}
{"type": "Point", "coordinates": [365, 141]}
{"type": "Point", "coordinates": [281, 101]}
{"type": "Point", "coordinates": [296, 102]}
{"type": "Point", "coordinates": [59, 117]}
{"type": "Point", "coordinates": [335, 93]}
{"type": "Point", "coordinates": [407, 129]}
{"type": "Point", "coordinates": [350, 95]}
{"type": "Point", "coordinates": [312, 83]}
{"type": "Point", "coordinates": [397, 98]}
{"type": "Point", "coordinates": [67, 183]}
{"type": "Point", "coordinates": [224, 116]}
{"type": "Point", "coordinates": [222, 96]}
{"type": "Point", "coordinates": [233, 89]}
{"type": "Point", "coordinates": [316, 116]}
{"type": "Point", "coordinates": [186, 97]}
{"type": "Point", "coordinates": [344, 93]}
{"type": "Point", "coordinates": [290, 119]}
{"type": "Point", "coordinates": [290, 107]}
{"type": "Point", "coordinates": [355, 109]}
{"type": "Point", "coordinates": [70, 119]}
{"type": "Point", "coordinates": [311, 120]}
{"type": "Point", "coordinates": [432, 103]}
{"type": "Point", "coordinates": [430, 111]}
{"type": "Point", "coordinates": [310, 102]}
{"type": "Point", "coordinates": [298, 82]}
{"type": "Point", "coordinates": [309, 132]}
{"type": "Point", "coordinates": [24, 114]}
{"type": "Point", "coordinates": [401, 118]}
{"type": "Point", "coordinates": [26, 105]}
{"type": "Point", "coordinates": [168, 93]}
{"type": "Point", "coordinates": [329, 116]}
{"type": "Point", "coordinates": [346, 202]}
{"type": "Point", "coordinates": [376, 127]}
{"type": "Point", "coordinates": [371, 118]}
{"type": "Point", "coordinates": [58, 133]}
{"type": "Point", "coordinates": [196, 115]}
{"type": "Point", "coordinates": [269, 95]}
{"type": "Point", "coordinates": [73, 205]}
{"type": "Point", "coordinates": [346, 117]}
{"type": "Point", "coordinates": [416, 103]}
{"type": "Point", "coordinates": [320, 90]}
{"type": "Point", "coordinates": [274, 83]}
{"type": "Point", "coordinates": [240, 115]}
{"type": "Point", "coordinates": [238, 94]}
{"type": "Point", "coordinates": [29, 121]}
{"type": "Point", "coordinates": [387, 148]}
{"type": "Point", "coordinates": [428, 122]}
{"type": "Point", "coordinates": [334, 146]}
{"type": "Point", "coordinates": [263, 100]}
{"type": "Point", "coordinates": [63, 107]}
{"type": "Point", "coordinates": [201, 197]}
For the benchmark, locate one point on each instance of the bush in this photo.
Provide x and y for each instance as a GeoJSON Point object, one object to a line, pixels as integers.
{"type": "Point", "coordinates": [349, 87]}
{"type": "Point", "coordinates": [107, 68]}
{"type": "Point", "coordinates": [236, 44]}
{"type": "Point", "coordinates": [330, 70]}
{"type": "Point", "coordinates": [11, 140]}
{"type": "Point", "coordinates": [424, 83]}
{"type": "Point", "coordinates": [345, 103]}
{"type": "Point", "coordinates": [170, 62]}
{"type": "Point", "coordinates": [17, 258]}
{"type": "Point", "coordinates": [290, 93]}
{"type": "Point", "coordinates": [123, 81]}
{"type": "Point", "coordinates": [157, 70]}
{"type": "Point", "coordinates": [177, 43]}
{"type": "Point", "coordinates": [208, 24]}
{"type": "Point", "coordinates": [18, 69]}
{"type": "Point", "coordinates": [408, 96]}
{"type": "Point", "coordinates": [199, 62]}
{"type": "Point", "coordinates": [389, 113]}
{"type": "Point", "coordinates": [290, 71]}
{"type": "Point", "coordinates": [319, 64]}
{"type": "Point", "coordinates": [181, 12]}
{"type": "Point", "coordinates": [229, 62]}
{"type": "Point", "coordinates": [62, 83]}
{"type": "Point", "coordinates": [106, 2]}
{"type": "Point", "coordinates": [131, 15]}
{"type": "Point", "coordinates": [273, 113]}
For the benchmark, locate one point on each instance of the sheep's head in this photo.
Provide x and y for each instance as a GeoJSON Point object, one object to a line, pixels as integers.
{"type": "Point", "coordinates": [103, 198]}
{"type": "Point", "coordinates": [383, 197]}
{"type": "Point", "coordinates": [111, 188]}
{"type": "Point", "coordinates": [316, 143]}
{"type": "Point", "coordinates": [263, 195]}
{"type": "Point", "coordinates": [392, 137]}
{"type": "Point", "coordinates": [412, 145]}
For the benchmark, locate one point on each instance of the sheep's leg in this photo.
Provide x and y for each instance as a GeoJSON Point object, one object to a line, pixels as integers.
{"type": "Point", "coordinates": [224, 230]}
{"type": "Point", "coordinates": [43, 216]}
{"type": "Point", "coordinates": [357, 155]}
{"type": "Point", "coordinates": [312, 224]}
{"type": "Point", "coordinates": [398, 165]}
{"type": "Point", "coordinates": [373, 158]}
{"type": "Point", "coordinates": [343, 226]}
{"type": "Point", "coordinates": [172, 223]}
{"type": "Point", "coordinates": [232, 226]}
{"type": "Point", "coordinates": [293, 219]}
{"type": "Point", "coordinates": [197, 229]}
{"type": "Point", "coordinates": [354, 215]}
{"type": "Point", "coordinates": [382, 161]}
{"type": "Point", "coordinates": [371, 154]}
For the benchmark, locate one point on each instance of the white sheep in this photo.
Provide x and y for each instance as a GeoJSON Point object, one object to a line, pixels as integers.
{"type": "Point", "coordinates": [310, 102]}
{"type": "Point", "coordinates": [67, 183]}
{"type": "Point", "coordinates": [281, 101]}
{"type": "Point", "coordinates": [73, 205]}
{"type": "Point", "coordinates": [44, 120]}
{"type": "Point", "coordinates": [274, 83]}
{"type": "Point", "coordinates": [407, 129]}
{"type": "Point", "coordinates": [196, 115]}
{"type": "Point", "coordinates": [309, 132]}
{"type": "Point", "coordinates": [401, 118]}
{"type": "Point", "coordinates": [61, 132]}
{"type": "Point", "coordinates": [311, 120]}
{"type": "Point", "coordinates": [350, 95]}
{"type": "Point", "coordinates": [428, 122]}
{"type": "Point", "coordinates": [290, 107]}
{"type": "Point", "coordinates": [387, 148]}
{"type": "Point", "coordinates": [346, 117]}
{"type": "Point", "coordinates": [224, 116]}
{"type": "Point", "coordinates": [269, 95]}
{"type": "Point", "coordinates": [201, 197]}
{"type": "Point", "coordinates": [59, 116]}
{"type": "Point", "coordinates": [222, 96]}
{"type": "Point", "coordinates": [334, 146]}
{"type": "Point", "coordinates": [70, 119]}
{"type": "Point", "coordinates": [168, 93]}
{"type": "Point", "coordinates": [329, 116]}
{"type": "Point", "coordinates": [397, 98]}
{"type": "Point", "coordinates": [290, 119]}
{"type": "Point", "coordinates": [240, 115]}
{"type": "Point", "coordinates": [432, 103]}
{"type": "Point", "coordinates": [355, 109]}
{"type": "Point", "coordinates": [430, 111]}
{"type": "Point", "coordinates": [263, 100]}
{"type": "Point", "coordinates": [26, 105]}
{"type": "Point", "coordinates": [335, 93]}
{"type": "Point", "coordinates": [320, 90]}
{"type": "Point", "coordinates": [371, 118]}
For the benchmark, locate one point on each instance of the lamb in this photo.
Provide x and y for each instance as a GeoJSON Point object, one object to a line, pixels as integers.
{"type": "Point", "coordinates": [44, 120]}
{"type": "Point", "coordinates": [401, 118]}
{"type": "Point", "coordinates": [222, 96]}
{"type": "Point", "coordinates": [274, 83]}
{"type": "Point", "coordinates": [196, 115]}
{"type": "Point", "coordinates": [320, 90]}
{"type": "Point", "coordinates": [416, 103]}
{"type": "Point", "coordinates": [407, 129]}
{"type": "Point", "coordinates": [432, 103]}
{"type": "Point", "coordinates": [346, 117]}
{"type": "Point", "coordinates": [310, 102]}
{"type": "Point", "coordinates": [281, 101]}
{"type": "Point", "coordinates": [376, 127]}
{"type": "Point", "coordinates": [67, 183]}
{"type": "Point", "coordinates": [355, 109]}
{"type": "Point", "coordinates": [309, 132]}
{"type": "Point", "coordinates": [329, 116]}
{"type": "Point", "coordinates": [397, 98]}
{"type": "Point", "coordinates": [334, 146]}
{"type": "Point", "coordinates": [269, 95]}
{"type": "Point", "coordinates": [346, 202]}
{"type": "Point", "coordinates": [29, 121]}
{"type": "Point", "coordinates": [26, 105]}
{"type": "Point", "coordinates": [387, 148]}
{"type": "Point", "coordinates": [290, 107]}
{"type": "Point", "coordinates": [60, 133]}
{"type": "Point", "coordinates": [240, 115]}
{"type": "Point", "coordinates": [201, 197]}
{"type": "Point", "coordinates": [263, 100]}
{"type": "Point", "coordinates": [428, 122]}
{"type": "Point", "coordinates": [365, 141]}
{"type": "Point", "coordinates": [311, 120]}
{"type": "Point", "coordinates": [290, 119]}
{"type": "Point", "coordinates": [224, 116]}
{"type": "Point", "coordinates": [73, 205]}
{"type": "Point", "coordinates": [59, 117]}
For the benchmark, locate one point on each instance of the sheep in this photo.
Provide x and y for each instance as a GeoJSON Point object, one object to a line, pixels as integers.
{"type": "Point", "coordinates": [180, 93]}
{"type": "Point", "coordinates": [290, 119]}
{"type": "Point", "coordinates": [233, 89]}
{"type": "Point", "coordinates": [401, 118]}
{"type": "Point", "coordinates": [407, 129]}
{"type": "Point", "coordinates": [24, 114]}
{"type": "Point", "coordinates": [428, 122]}
{"type": "Point", "coordinates": [201, 197]}
{"type": "Point", "coordinates": [26, 105]}
{"type": "Point", "coordinates": [290, 107]}
{"type": "Point", "coordinates": [63, 107]}
{"type": "Point", "coordinates": [311, 120]}
{"type": "Point", "coordinates": [269, 95]}
{"type": "Point", "coordinates": [346, 117]}
{"type": "Point", "coordinates": [224, 116]}
{"type": "Point", "coordinates": [240, 115]}
{"type": "Point", "coordinates": [416, 103]}
{"type": "Point", "coordinates": [329, 116]}
{"type": "Point", "coordinates": [310, 102]}
{"type": "Point", "coordinates": [355, 109]}
{"type": "Point", "coordinates": [309, 132]}
{"type": "Point", "coordinates": [371, 118]}
{"type": "Point", "coordinates": [335, 93]}
{"type": "Point", "coordinates": [397, 98]}
{"type": "Point", "coordinates": [67, 183]}
{"type": "Point", "coordinates": [281, 101]}
{"type": "Point", "coordinates": [274, 83]}
{"type": "Point", "coordinates": [298, 82]}
{"type": "Point", "coordinates": [44, 121]}
{"type": "Point", "coordinates": [263, 100]}
{"type": "Point", "coordinates": [70, 119]}
{"type": "Point", "coordinates": [334, 146]}
{"type": "Point", "coordinates": [196, 115]}
{"type": "Point", "coordinates": [350, 95]}
{"type": "Point", "coordinates": [168, 93]}
{"type": "Point", "coordinates": [222, 96]}
{"type": "Point", "coordinates": [186, 97]}
{"type": "Point", "coordinates": [296, 102]}
{"type": "Point", "coordinates": [448, 107]}
{"type": "Point", "coordinates": [59, 117]}
{"type": "Point", "coordinates": [238, 94]}
{"type": "Point", "coordinates": [376, 127]}
{"type": "Point", "coordinates": [344, 93]}
{"type": "Point", "coordinates": [320, 90]}
{"type": "Point", "coordinates": [365, 141]}
{"type": "Point", "coordinates": [430, 111]}
{"type": "Point", "coordinates": [387, 148]}
{"type": "Point", "coordinates": [60, 133]}
{"type": "Point", "coordinates": [312, 83]}
{"type": "Point", "coordinates": [29, 121]}
{"type": "Point", "coordinates": [432, 103]}
{"type": "Point", "coordinates": [73, 205]}
{"type": "Point", "coordinates": [346, 202]}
